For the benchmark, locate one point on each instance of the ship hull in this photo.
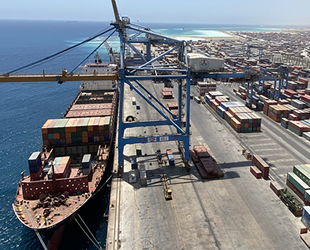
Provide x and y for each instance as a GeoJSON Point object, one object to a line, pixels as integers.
{"type": "Point", "coordinates": [52, 226]}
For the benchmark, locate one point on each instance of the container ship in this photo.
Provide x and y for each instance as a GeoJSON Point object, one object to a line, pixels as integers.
{"type": "Point", "coordinates": [68, 170]}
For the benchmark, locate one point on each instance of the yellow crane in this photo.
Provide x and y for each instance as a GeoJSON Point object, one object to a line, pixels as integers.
{"type": "Point", "coordinates": [60, 78]}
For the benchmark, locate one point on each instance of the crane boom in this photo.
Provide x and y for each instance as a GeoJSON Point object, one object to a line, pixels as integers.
{"type": "Point", "coordinates": [116, 14]}
{"type": "Point", "coordinates": [59, 78]}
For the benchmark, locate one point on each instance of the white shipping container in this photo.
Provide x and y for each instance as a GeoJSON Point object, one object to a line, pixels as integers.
{"type": "Point", "coordinates": [202, 63]}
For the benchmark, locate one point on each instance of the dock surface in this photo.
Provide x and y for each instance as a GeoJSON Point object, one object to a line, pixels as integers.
{"type": "Point", "coordinates": [233, 212]}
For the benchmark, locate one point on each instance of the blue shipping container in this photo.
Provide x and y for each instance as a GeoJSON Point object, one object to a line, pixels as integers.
{"type": "Point", "coordinates": [171, 160]}
{"type": "Point", "coordinates": [208, 98]}
{"type": "Point", "coordinates": [134, 164]}
{"type": "Point", "coordinates": [306, 212]}
{"type": "Point", "coordinates": [34, 162]}
{"type": "Point", "coordinates": [220, 111]}
{"type": "Point", "coordinates": [86, 161]}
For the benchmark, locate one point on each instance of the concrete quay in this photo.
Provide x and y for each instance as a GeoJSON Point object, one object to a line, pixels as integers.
{"type": "Point", "coordinates": [234, 212]}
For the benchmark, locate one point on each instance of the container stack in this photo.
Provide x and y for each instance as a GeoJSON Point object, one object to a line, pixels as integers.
{"type": "Point", "coordinates": [205, 163]}
{"type": "Point", "coordinates": [256, 172]}
{"type": "Point", "coordinates": [86, 164]}
{"type": "Point", "coordinates": [261, 165]}
{"type": "Point", "coordinates": [300, 115]}
{"type": "Point", "coordinates": [292, 85]}
{"type": "Point", "coordinates": [205, 87]}
{"type": "Point", "coordinates": [61, 168]}
{"type": "Point", "coordinates": [283, 102]}
{"type": "Point", "coordinates": [298, 104]}
{"type": "Point", "coordinates": [172, 106]}
{"type": "Point", "coordinates": [276, 112]}
{"type": "Point", "coordinates": [276, 187]}
{"type": "Point", "coordinates": [299, 187]}
{"type": "Point", "coordinates": [290, 93]}
{"type": "Point", "coordinates": [244, 120]}
{"type": "Point", "coordinates": [76, 130]}
{"type": "Point", "coordinates": [170, 159]}
{"type": "Point", "coordinates": [241, 118]}
{"type": "Point", "coordinates": [90, 110]}
{"type": "Point", "coordinates": [298, 127]}
{"type": "Point", "coordinates": [267, 104]}
{"type": "Point", "coordinates": [35, 165]}
{"type": "Point", "coordinates": [284, 122]}
{"type": "Point", "coordinates": [166, 93]}
{"type": "Point", "coordinates": [306, 99]}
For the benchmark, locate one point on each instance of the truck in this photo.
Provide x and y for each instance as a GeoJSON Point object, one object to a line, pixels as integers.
{"type": "Point", "coordinates": [166, 185]}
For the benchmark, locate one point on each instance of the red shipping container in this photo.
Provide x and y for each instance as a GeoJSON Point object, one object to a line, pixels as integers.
{"type": "Point", "coordinates": [276, 187]}
{"type": "Point", "coordinates": [262, 165]}
{"type": "Point", "coordinates": [256, 172]}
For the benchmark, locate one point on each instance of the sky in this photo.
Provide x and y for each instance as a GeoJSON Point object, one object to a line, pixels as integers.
{"type": "Point", "coordinates": [250, 12]}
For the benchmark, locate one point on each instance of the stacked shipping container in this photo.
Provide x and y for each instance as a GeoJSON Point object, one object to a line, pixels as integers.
{"type": "Point", "coordinates": [167, 93]}
{"type": "Point", "coordinates": [61, 168]}
{"type": "Point", "coordinates": [236, 114]}
{"type": "Point", "coordinates": [205, 163]}
{"type": "Point", "coordinates": [205, 87]}
{"type": "Point", "coordinates": [299, 180]}
{"type": "Point", "coordinates": [261, 165]}
{"type": "Point", "coordinates": [76, 130]}
{"type": "Point", "coordinates": [244, 120]}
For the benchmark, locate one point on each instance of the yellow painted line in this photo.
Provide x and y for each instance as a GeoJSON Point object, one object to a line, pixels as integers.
{"type": "Point", "coordinates": [136, 219]}
{"type": "Point", "coordinates": [178, 223]}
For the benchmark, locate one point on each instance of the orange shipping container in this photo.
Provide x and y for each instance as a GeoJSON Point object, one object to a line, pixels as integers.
{"type": "Point", "coordinates": [101, 123]}
{"type": "Point", "coordinates": [56, 136]}
{"type": "Point", "coordinates": [235, 122]}
{"type": "Point", "coordinates": [84, 134]}
{"type": "Point", "coordinates": [45, 126]}
{"type": "Point", "coordinates": [65, 160]}
{"type": "Point", "coordinates": [71, 125]}
{"type": "Point", "coordinates": [91, 124]}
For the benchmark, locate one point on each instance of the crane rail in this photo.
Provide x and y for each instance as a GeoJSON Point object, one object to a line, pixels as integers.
{"type": "Point", "coordinates": [57, 77]}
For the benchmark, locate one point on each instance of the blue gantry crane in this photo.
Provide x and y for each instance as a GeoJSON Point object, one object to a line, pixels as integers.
{"type": "Point", "coordinates": [181, 72]}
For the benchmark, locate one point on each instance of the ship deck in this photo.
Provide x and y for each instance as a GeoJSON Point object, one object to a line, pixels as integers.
{"type": "Point", "coordinates": [35, 219]}
{"type": "Point", "coordinates": [233, 212]}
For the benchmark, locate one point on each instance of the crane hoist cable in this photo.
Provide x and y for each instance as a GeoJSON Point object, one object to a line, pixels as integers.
{"type": "Point", "coordinates": [60, 52]}
{"type": "Point", "coordinates": [93, 51]}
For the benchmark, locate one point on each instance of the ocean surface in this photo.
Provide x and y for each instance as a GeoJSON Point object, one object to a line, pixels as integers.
{"type": "Point", "coordinates": [24, 107]}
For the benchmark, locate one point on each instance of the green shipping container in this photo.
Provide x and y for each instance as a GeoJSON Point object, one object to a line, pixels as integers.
{"type": "Point", "coordinates": [106, 125]}
{"type": "Point", "coordinates": [85, 124]}
{"type": "Point", "coordinates": [295, 131]}
{"type": "Point", "coordinates": [138, 149]}
{"type": "Point", "coordinates": [297, 182]}
{"type": "Point", "coordinates": [303, 172]}
{"type": "Point", "coordinates": [60, 126]}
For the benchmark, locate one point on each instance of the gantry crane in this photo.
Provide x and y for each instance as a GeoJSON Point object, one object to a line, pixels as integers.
{"type": "Point", "coordinates": [129, 73]}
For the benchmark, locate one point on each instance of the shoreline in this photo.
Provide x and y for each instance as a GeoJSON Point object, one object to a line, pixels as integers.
{"type": "Point", "coordinates": [213, 38]}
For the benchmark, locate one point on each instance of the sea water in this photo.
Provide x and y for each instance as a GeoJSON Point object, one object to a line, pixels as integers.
{"type": "Point", "coordinates": [24, 107]}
